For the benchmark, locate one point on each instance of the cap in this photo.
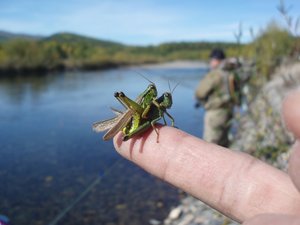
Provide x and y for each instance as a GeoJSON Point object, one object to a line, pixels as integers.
{"type": "Point", "coordinates": [217, 54]}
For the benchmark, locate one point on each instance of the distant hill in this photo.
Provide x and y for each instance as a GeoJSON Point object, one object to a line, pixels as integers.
{"type": "Point", "coordinates": [62, 37]}
{"type": "Point", "coordinates": [5, 36]}
{"type": "Point", "coordinates": [80, 39]}
{"type": "Point", "coordinates": [66, 37]}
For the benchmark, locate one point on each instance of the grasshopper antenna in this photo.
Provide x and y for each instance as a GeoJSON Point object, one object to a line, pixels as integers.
{"type": "Point", "coordinates": [142, 75]}
{"type": "Point", "coordinates": [169, 86]}
{"type": "Point", "coordinates": [175, 87]}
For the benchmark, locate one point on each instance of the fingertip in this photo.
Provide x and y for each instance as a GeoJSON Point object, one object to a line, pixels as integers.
{"type": "Point", "coordinates": [294, 165]}
{"type": "Point", "coordinates": [291, 112]}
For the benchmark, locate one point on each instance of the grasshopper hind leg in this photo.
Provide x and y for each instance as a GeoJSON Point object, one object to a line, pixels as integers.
{"type": "Point", "coordinates": [137, 131]}
{"type": "Point", "coordinates": [143, 128]}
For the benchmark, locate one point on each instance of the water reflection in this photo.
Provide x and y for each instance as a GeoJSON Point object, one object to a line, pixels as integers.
{"type": "Point", "coordinates": [49, 154]}
{"type": "Point", "coordinates": [16, 88]}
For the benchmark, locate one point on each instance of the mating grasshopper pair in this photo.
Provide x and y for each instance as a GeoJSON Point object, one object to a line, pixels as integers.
{"type": "Point", "coordinates": [140, 114]}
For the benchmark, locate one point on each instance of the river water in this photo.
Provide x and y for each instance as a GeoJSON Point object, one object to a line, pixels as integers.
{"type": "Point", "coordinates": [49, 154]}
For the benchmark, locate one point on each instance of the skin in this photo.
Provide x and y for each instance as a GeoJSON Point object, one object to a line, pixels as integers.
{"type": "Point", "coordinates": [214, 63]}
{"type": "Point", "coordinates": [236, 184]}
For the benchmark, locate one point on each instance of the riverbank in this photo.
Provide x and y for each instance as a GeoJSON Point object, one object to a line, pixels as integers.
{"type": "Point", "coordinates": [176, 64]}
{"type": "Point", "coordinates": [68, 51]}
{"type": "Point", "coordinates": [261, 132]}
{"type": "Point", "coordinates": [39, 70]}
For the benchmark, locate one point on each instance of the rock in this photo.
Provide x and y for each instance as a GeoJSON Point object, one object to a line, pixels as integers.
{"type": "Point", "coordinates": [159, 204]}
{"type": "Point", "coordinates": [167, 221]}
{"type": "Point", "coordinates": [261, 130]}
{"type": "Point", "coordinates": [154, 222]}
{"type": "Point", "coordinates": [187, 219]}
{"type": "Point", "coordinates": [200, 220]}
{"type": "Point", "coordinates": [48, 179]}
{"type": "Point", "coordinates": [175, 213]}
{"type": "Point", "coordinates": [121, 206]}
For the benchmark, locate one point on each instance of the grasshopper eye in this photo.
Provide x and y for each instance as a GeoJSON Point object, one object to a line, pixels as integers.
{"type": "Point", "coordinates": [152, 86]}
{"type": "Point", "coordinates": [167, 94]}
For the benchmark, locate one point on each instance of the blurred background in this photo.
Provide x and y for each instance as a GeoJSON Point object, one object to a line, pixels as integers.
{"type": "Point", "coordinates": [61, 62]}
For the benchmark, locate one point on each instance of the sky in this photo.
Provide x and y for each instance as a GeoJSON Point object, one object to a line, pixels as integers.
{"type": "Point", "coordinates": [142, 22]}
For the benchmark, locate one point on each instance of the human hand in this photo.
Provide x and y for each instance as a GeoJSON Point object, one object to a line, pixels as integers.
{"type": "Point", "coordinates": [236, 184]}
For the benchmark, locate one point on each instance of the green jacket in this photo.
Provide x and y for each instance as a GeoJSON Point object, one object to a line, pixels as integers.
{"type": "Point", "coordinates": [213, 91]}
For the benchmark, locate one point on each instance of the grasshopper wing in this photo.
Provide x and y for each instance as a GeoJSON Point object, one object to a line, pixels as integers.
{"type": "Point", "coordinates": [105, 124]}
{"type": "Point", "coordinates": [123, 120]}
{"type": "Point", "coordinates": [109, 123]}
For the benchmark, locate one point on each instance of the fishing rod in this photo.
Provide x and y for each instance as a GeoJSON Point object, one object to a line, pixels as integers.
{"type": "Point", "coordinates": [84, 193]}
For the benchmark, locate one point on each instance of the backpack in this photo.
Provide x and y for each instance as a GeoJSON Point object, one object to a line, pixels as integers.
{"type": "Point", "coordinates": [232, 68]}
{"type": "Point", "coordinates": [235, 88]}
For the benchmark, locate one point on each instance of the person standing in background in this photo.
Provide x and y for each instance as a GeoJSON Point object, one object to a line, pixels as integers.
{"type": "Point", "coordinates": [213, 92]}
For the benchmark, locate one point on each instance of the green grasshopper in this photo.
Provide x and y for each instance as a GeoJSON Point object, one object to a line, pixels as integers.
{"type": "Point", "coordinates": [123, 119]}
{"type": "Point", "coordinates": [143, 119]}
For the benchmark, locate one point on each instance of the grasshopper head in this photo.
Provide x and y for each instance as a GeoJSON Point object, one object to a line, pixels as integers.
{"type": "Point", "coordinates": [167, 100]}
{"type": "Point", "coordinates": [152, 90]}
{"type": "Point", "coordinates": [148, 95]}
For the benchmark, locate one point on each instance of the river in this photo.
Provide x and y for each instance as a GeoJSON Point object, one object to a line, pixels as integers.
{"type": "Point", "coordinates": [49, 154]}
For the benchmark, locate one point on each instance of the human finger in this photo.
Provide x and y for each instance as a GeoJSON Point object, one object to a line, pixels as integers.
{"type": "Point", "coordinates": [274, 219]}
{"type": "Point", "coordinates": [291, 112]}
{"type": "Point", "coordinates": [234, 183]}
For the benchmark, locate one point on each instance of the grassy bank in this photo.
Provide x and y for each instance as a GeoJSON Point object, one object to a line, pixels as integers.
{"type": "Point", "coordinates": [70, 51]}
